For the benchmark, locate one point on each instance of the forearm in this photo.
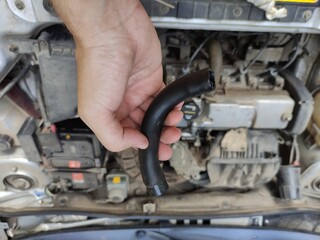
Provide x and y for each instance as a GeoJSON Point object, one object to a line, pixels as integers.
{"type": "Point", "coordinates": [86, 18]}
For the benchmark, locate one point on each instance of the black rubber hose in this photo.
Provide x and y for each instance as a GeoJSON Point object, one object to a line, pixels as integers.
{"type": "Point", "coordinates": [186, 87]}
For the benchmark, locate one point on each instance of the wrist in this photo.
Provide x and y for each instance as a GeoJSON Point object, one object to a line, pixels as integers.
{"type": "Point", "coordinates": [89, 20]}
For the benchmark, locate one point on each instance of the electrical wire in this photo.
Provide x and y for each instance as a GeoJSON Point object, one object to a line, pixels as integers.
{"type": "Point", "coordinates": [41, 103]}
{"type": "Point", "coordinates": [13, 82]}
{"type": "Point", "coordinates": [315, 91]}
{"type": "Point", "coordinates": [300, 44]}
{"type": "Point", "coordinates": [250, 64]}
{"type": "Point", "coordinates": [169, 5]}
{"type": "Point", "coordinates": [294, 152]}
{"type": "Point", "coordinates": [186, 69]}
{"type": "Point", "coordinates": [240, 34]}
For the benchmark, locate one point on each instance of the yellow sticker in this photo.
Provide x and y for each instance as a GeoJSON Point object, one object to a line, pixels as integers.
{"type": "Point", "coordinates": [116, 180]}
{"type": "Point", "coordinates": [298, 1]}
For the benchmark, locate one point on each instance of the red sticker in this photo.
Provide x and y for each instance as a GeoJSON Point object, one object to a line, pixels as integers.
{"type": "Point", "coordinates": [74, 164]}
{"type": "Point", "coordinates": [77, 177]}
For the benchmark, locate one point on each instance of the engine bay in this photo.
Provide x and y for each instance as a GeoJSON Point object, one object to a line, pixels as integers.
{"type": "Point", "coordinates": [250, 146]}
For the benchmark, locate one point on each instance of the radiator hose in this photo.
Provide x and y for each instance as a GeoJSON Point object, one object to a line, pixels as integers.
{"type": "Point", "coordinates": [186, 87]}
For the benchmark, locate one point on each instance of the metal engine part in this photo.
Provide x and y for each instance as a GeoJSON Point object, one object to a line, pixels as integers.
{"type": "Point", "coordinates": [185, 163]}
{"type": "Point", "coordinates": [310, 181]}
{"type": "Point", "coordinates": [248, 87]}
{"type": "Point", "coordinates": [314, 124]}
{"type": "Point", "coordinates": [222, 15]}
{"type": "Point", "coordinates": [20, 174]}
{"type": "Point", "coordinates": [11, 119]}
{"type": "Point", "coordinates": [248, 109]}
{"type": "Point", "coordinates": [240, 159]}
{"type": "Point", "coordinates": [244, 100]}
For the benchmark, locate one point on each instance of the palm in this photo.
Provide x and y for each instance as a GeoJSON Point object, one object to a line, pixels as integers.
{"type": "Point", "coordinates": [118, 79]}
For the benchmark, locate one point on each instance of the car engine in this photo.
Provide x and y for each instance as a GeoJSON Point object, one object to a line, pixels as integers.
{"type": "Point", "coordinates": [253, 143]}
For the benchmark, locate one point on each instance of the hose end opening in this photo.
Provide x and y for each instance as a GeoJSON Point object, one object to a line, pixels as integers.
{"type": "Point", "coordinates": [158, 189]}
{"type": "Point", "coordinates": [211, 80]}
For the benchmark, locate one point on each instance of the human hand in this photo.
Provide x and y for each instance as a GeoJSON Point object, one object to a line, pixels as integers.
{"type": "Point", "coordinates": [119, 71]}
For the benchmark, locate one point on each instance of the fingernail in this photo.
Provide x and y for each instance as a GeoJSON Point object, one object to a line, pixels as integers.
{"type": "Point", "coordinates": [143, 145]}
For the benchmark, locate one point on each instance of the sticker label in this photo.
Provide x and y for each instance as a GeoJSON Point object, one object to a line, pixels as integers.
{"type": "Point", "coordinates": [77, 177]}
{"type": "Point", "coordinates": [74, 164]}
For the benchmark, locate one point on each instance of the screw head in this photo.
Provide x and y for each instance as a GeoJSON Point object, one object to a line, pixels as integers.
{"type": "Point", "coordinates": [19, 4]}
{"type": "Point", "coordinates": [13, 48]}
{"type": "Point", "coordinates": [306, 15]}
{"type": "Point", "coordinates": [140, 234]}
{"type": "Point", "coordinates": [237, 12]}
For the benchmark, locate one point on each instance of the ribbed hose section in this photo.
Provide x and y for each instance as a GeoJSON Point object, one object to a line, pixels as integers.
{"type": "Point", "coordinates": [186, 87]}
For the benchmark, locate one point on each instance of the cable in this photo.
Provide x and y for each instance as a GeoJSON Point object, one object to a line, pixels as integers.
{"type": "Point", "coordinates": [187, 68]}
{"type": "Point", "coordinates": [315, 91]}
{"type": "Point", "coordinates": [245, 69]}
{"type": "Point", "coordinates": [294, 152]}
{"type": "Point", "coordinates": [240, 34]}
{"type": "Point", "coordinates": [13, 82]}
{"type": "Point", "coordinates": [42, 105]}
{"type": "Point", "coordinates": [299, 45]}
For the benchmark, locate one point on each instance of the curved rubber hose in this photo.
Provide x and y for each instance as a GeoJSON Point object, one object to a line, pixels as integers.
{"type": "Point", "coordinates": [186, 87]}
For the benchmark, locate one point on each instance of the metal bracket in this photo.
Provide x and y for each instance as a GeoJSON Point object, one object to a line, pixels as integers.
{"type": "Point", "coordinates": [4, 225]}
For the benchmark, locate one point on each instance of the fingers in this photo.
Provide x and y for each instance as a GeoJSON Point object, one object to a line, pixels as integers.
{"type": "Point", "coordinates": [137, 116]}
{"type": "Point", "coordinates": [117, 136]}
{"type": "Point", "coordinates": [129, 123]}
{"type": "Point", "coordinates": [170, 135]}
{"type": "Point", "coordinates": [165, 152]}
{"type": "Point", "coordinates": [114, 136]}
{"type": "Point", "coordinates": [173, 118]}
{"type": "Point", "coordinates": [179, 106]}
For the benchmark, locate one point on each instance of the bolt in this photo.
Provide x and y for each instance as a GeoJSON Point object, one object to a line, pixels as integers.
{"type": "Point", "coordinates": [237, 12]}
{"type": "Point", "coordinates": [13, 48]}
{"type": "Point", "coordinates": [19, 4]}
{"type": "Point", "coordinates": [43, 44]}
{"type": "Point", "coordinates": [140, 234]}
{"type": "Point", "coordinates": [306, 15]}
{"type": "Point", "coordinates": [286, 117]}
{"type": "Point", "coordinates": [45, 227]}
{"type": "Point", "coordinates": [138, 191]}
{"type": "Point", "coordinates": [14, 169]}
{"type": "Point", "coordinates": [225, 205]}
{"type": "Point", "coordinates": [84, 147]}
{"type": "Point", "coordinates": [63, 201]}
{"type": "Point", "coordinates": [164, 10]}
{"type": "Point", "coordinates": [196, 176]}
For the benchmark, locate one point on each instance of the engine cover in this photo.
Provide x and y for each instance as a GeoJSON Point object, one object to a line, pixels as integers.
{"type": "Point", "coordinates": [238, 159]}
{"type": "Point", "coordinates": [234, 163]}
{"type": "Point", "coordinates": [250, 109]}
